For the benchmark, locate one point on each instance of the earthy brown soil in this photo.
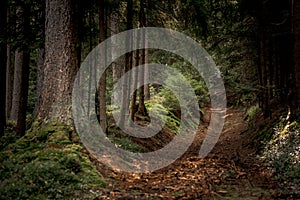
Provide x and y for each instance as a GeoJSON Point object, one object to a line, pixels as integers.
{"type": "Point", "coordinates": [230, 171]}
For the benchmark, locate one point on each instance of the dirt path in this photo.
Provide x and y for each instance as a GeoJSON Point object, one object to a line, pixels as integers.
{"type": "Point", "coordinates": [230, 171]}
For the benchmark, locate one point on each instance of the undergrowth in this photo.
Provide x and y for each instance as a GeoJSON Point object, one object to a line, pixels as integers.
{"type": "Point", "coordinates": [281, 153]}
{"type": "Point", "coordinates": [47, 163]}
{"type": "Point", "coordinates": [123, 141]}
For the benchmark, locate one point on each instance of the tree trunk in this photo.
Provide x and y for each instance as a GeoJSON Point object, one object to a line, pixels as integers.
{"type": "Point", "coordinates": [128, 56]}
{"type": "Point", "coordinates": [3, 49]}
{"type": "Point", "coordinates": [21, 69]}
{"type": "Point", "coordinates": [18, 63]}
{"type": "Point", "coordinates": [102, 82]}
{"type": "Point", "coordinates": [9, 73]}
{"type": "Point", "coordinates": [60, 65]}
{"type": "Point", "coordinates": [142, 111]}
{"type": "Point", "coordinates": [133, 107]}
{"type": "Point", "coordinates": [40, 78]}
{"type": "Point", "coordinates": [116, 65]}
{"type": "Point", "coordinates": [296, 30]}
{"type": "Point", "coordinates": [9, 82]}
{"type": "Point", "coordinates": [147, 86]}
{"type": "Point", "coordinates": [22, 108]}
{"type": "Point", "coordinates": [265, 97]}
{"type": "Point", "coordinates": [263, 64]}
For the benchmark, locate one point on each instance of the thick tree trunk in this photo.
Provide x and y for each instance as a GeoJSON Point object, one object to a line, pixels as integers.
{"type": "Point", "coordinates": [60, 65]}
{"type": "Point", "coordinates": [3, 48]}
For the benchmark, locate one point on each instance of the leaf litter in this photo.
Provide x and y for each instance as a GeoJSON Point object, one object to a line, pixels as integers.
{"type": "Point", "coordinates": [230, 171]}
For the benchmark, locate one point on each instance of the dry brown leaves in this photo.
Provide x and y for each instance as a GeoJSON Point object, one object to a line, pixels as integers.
{"type": "Point", "coordinates": [227, 173]}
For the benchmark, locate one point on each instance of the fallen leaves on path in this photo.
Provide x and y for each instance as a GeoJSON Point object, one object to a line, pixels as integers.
{"type": "Point", "coordinates": [229, 172]}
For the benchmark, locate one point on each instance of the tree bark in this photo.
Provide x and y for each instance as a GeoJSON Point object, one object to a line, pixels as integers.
{"type": "Point", "coordinates": [146, 78]}
{"type": "Point", "coordinates": [18, 63]}
{"type": "Point", "coordinates": [128, 58]}
{"type": "Point", "coordinates": [133, 107]}
{"type": "Point", "coordinates": [9, 73]}
{"type": "Point", "coordinates": [263, 64]}
{"type": "Point", "coordinates": [116, 65]}
{"type": "Point", "coordinates": [147, 86]}
{"type": "Point", "coordinates": [102, 82]}
{"type": "Point", "coordinates": [40, 79]}
{"type": "Point", "coordinates": [60, 65]}
{"type": "Point", "coordinates": [265, 97]}
{"type": "Point", "coordinates": [9, 82]}
{"type": "Point", "coordinates": [3, 49]}
{"type": "Point", "coordinates": [142, 111]}
{"type": "Point", "coordinates": [21, 68]}
{"type": "Point", "coordinates": [296, 31]}
{"type": "Point", "coordinates": [22, 108]}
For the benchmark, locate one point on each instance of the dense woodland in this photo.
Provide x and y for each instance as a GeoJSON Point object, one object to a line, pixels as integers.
{"type": "Point", "coordinates": [255, 44]}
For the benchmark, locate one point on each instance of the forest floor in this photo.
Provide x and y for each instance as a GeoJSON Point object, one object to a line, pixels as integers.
{"type": "Point", "coordinates": [231, 171]}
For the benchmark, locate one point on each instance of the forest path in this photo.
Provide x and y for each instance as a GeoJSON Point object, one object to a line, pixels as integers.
{"type": "Point", "coordinates": [230, 171]}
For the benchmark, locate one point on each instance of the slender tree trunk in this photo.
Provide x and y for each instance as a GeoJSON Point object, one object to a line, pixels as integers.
{"type": "Point", "coordinates": [125, 89]}
{"type": "Point", "coordinates": [276, 66]}
{"type": "Point", "coordinates": [283, 71]}
{"type": "Point", "coordinates": [40, 78]}
{"type": "Point", "coordinates": [142, 111]}
{"type": "Point", "coordinates": [9, 73]}
{"type": "Point", "coordinates": [296, 31]}
{"type": "Point", "coordinates": [102, 82]}
{"type": "Point", "coordinates": [142, 108]}
{"type": "Point", "coordinates": [3, 49]}
{"type": "Point", "coordinates": [21, 120]}
{"type": "Point", "coordinates": [133, 107]}
{"type": "Point", "coordinates": [146, 86]}
{"type": "Point", "coordinates": [9, 81]}
{"type": "Point", "coordinates": [91, 65]}
{"type": "Point", "coordinates": [60, 65]}
{"type": "Point", "coordinates": [21, 69]}
{"type": "Point", "coordinates": [265, 98]}
{"type": "Point", "coordinates": [116, 65]}
{"type": "Point", "coordinates": [271, 69]}
{"type": "Point", "coordinates": [18, 63]}
{"type": "Point", "coordinates": [263, 64]}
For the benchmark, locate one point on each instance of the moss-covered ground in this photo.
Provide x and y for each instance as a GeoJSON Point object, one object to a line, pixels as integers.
{"type": "Point", "coordinates": [49, 162]}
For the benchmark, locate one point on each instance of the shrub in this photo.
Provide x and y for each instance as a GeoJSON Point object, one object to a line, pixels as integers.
{"type": "Point", "coordinates": [282, 154]}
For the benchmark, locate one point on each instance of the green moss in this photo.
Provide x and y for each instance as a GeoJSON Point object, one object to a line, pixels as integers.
{"type": "Point", "coordinates": [47, 164]}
